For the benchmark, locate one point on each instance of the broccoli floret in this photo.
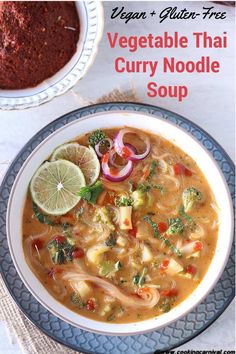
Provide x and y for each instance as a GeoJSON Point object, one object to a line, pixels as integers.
{"type": "Point", "coordinates": [103, 215]}
{"type": "Point", "coordinates": [176, 226]}
{"type": "Point", "coordinates": [138, 197]}
{"type": "Point", "coordinates": [111, 240]}
{"type": "Point", "coordinates": [109, 268]}
{"type": "Point", "coordinates": [123, 201]}
{"type": "Point", "coordinates": [76, 299]}
{"type": "Point", "coordinates": [96, 137]}
{"type": "Point", "coordinates": [191, 196]}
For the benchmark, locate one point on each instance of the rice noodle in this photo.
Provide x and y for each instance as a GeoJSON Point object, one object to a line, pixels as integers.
{"type": "Point", "coordinates": [134, 248]}
{"type": "Point", "coordinates": [214, 225]}
{"type": "Point", "coordinates": [160, 157]}
{"type": "Point", "coordinates": [149, 300]}
{"type": "Point", "coordinates": [117, 186]}
{"type": "Point", "coordinates": [60, 290]}
{"type": "Point", "coordinates": [199, 232]}
{"type": "Point", "coordinates": [87, 218]}
{"type": "Point", "coordinates": [215, 208]}
{"type": "Point", "coordinates": [164, 165]}
{"type": "Point", "coordinates": [176, 183]}
{"type": "Point", "coordinates": [29, 249]}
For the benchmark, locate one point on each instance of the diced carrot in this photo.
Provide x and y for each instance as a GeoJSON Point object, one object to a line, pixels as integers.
{"type": "Point", "coordinates": [198, 246]}
{"type": "Point", "coordinates": [169, 292]}
{"type": "Point", "coordinates": [162, 227]}
{"type": "Point", "coordinates": [191, 269]}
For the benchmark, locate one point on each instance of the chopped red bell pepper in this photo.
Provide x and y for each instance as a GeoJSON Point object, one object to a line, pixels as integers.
{"type": "Point", "coordinates": [164, 264]}
{"type": "Point", "coordinates": [37, 243]}
{"type": "Point", "coordinates": [180, 169]}
{"type": "Point", "coordinates": [133, 232]}
{"type": "Point", "coordinates": [59, 239]}
{"type": "Point", "coordinates": [169, 292]}
{"type": "Point", "coordinates": [77, 253]}
{"type": "Point", "coordinates": [162, 227]}
{"type": "Point", "coordinates": [191, 269]}
{"type": "Point", "coordinates": [53, 271]}
{"type": "Point", "coordinates": [90, 306]}
{"type": "Point", "coordinates": [198, 246]}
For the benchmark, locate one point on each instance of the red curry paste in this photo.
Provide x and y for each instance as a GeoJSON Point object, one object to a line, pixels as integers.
{"type": "Point", "coordinates": [37, 38]}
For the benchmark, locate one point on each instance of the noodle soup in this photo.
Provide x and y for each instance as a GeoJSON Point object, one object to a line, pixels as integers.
{"type": "Point", "coordinates": [119, 225]}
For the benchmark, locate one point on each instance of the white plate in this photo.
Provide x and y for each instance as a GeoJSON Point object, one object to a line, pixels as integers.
{"type": "Point", "coordinates": [91, 27]}
{"type": "Point", "coordinates": [106, 120]}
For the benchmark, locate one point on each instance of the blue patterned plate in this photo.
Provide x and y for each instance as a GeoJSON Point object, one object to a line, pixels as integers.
{"type": "Point", "coordinates": [164, 339]}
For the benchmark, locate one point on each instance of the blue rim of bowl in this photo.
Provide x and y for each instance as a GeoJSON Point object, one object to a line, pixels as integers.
{"type": "Point", "coordinates": [121, 106]}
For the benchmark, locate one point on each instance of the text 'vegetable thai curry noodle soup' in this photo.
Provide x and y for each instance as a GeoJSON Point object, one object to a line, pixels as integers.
{"type": "Point", "coordinates": [122, 225]}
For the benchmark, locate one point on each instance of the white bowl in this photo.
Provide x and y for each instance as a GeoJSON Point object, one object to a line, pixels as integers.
{"type": "Point", "coordinates": [115, 119]}
{"type": "Point", "coordinates": [91, 28]}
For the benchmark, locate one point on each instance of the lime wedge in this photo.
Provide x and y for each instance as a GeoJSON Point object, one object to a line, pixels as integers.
{"type": "Point", "coordinates": [81, 156]}
{"type": "Point", "coordinates": [55, 186]}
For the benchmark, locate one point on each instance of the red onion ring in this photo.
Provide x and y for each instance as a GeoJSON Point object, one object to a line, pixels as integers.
{"type": "Point", "coordinates": [113, 174]}
{"type": "Point", "coordinates": [125, 151]}
{"type": "Point", "coordinates": [112, 160]}
{"type": "Point", "coordinates": [97, 146]}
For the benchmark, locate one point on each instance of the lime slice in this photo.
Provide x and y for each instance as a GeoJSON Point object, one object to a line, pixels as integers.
{"type": "Point", "coordinates": [55, 186]}
{"type": "Point", "coordinates": [82, 156]}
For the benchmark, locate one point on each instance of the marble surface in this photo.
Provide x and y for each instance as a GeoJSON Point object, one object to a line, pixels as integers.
{"type": "Point", "coordinates": [210, 104]}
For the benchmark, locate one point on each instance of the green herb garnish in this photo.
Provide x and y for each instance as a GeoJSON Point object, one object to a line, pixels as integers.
{"type": "Point", "coordinates": [123, 201]}
{"type": "Point", "coordinates": [96, 137]}
{"type": "Point", "coordinates": [176, 226]}
{"type": "Point", "coordinates": [162, 238]}
{"type": "Point", "coordinates": [79, 212]}
{"type": "Point", "coordinates": [111, 240]}
{"type": "Point", "coordinates": [146, 187]}
{"type": "Point", "coordinates": [91, 193]}
{"type": "Point", "coordinates": [111, 317]}
{"type": "Point", "coordinates": [109, 268]}
{"type": "Point", "coordinates": [190, 222]}
{"type": "Point", "coordinates": [61, 252]}
{"type": "Point", "coordinates": [153, 167]}
{"type": "Point", "coordinates": [139, 279]}
{"type": "Point", "coordinates": [42, 218]}
{"type": "Point", "coordinates": [165, 307]}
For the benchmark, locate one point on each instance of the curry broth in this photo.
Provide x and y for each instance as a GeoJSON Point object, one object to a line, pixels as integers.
{"type": "Point", "coordinates": [161, 206]}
